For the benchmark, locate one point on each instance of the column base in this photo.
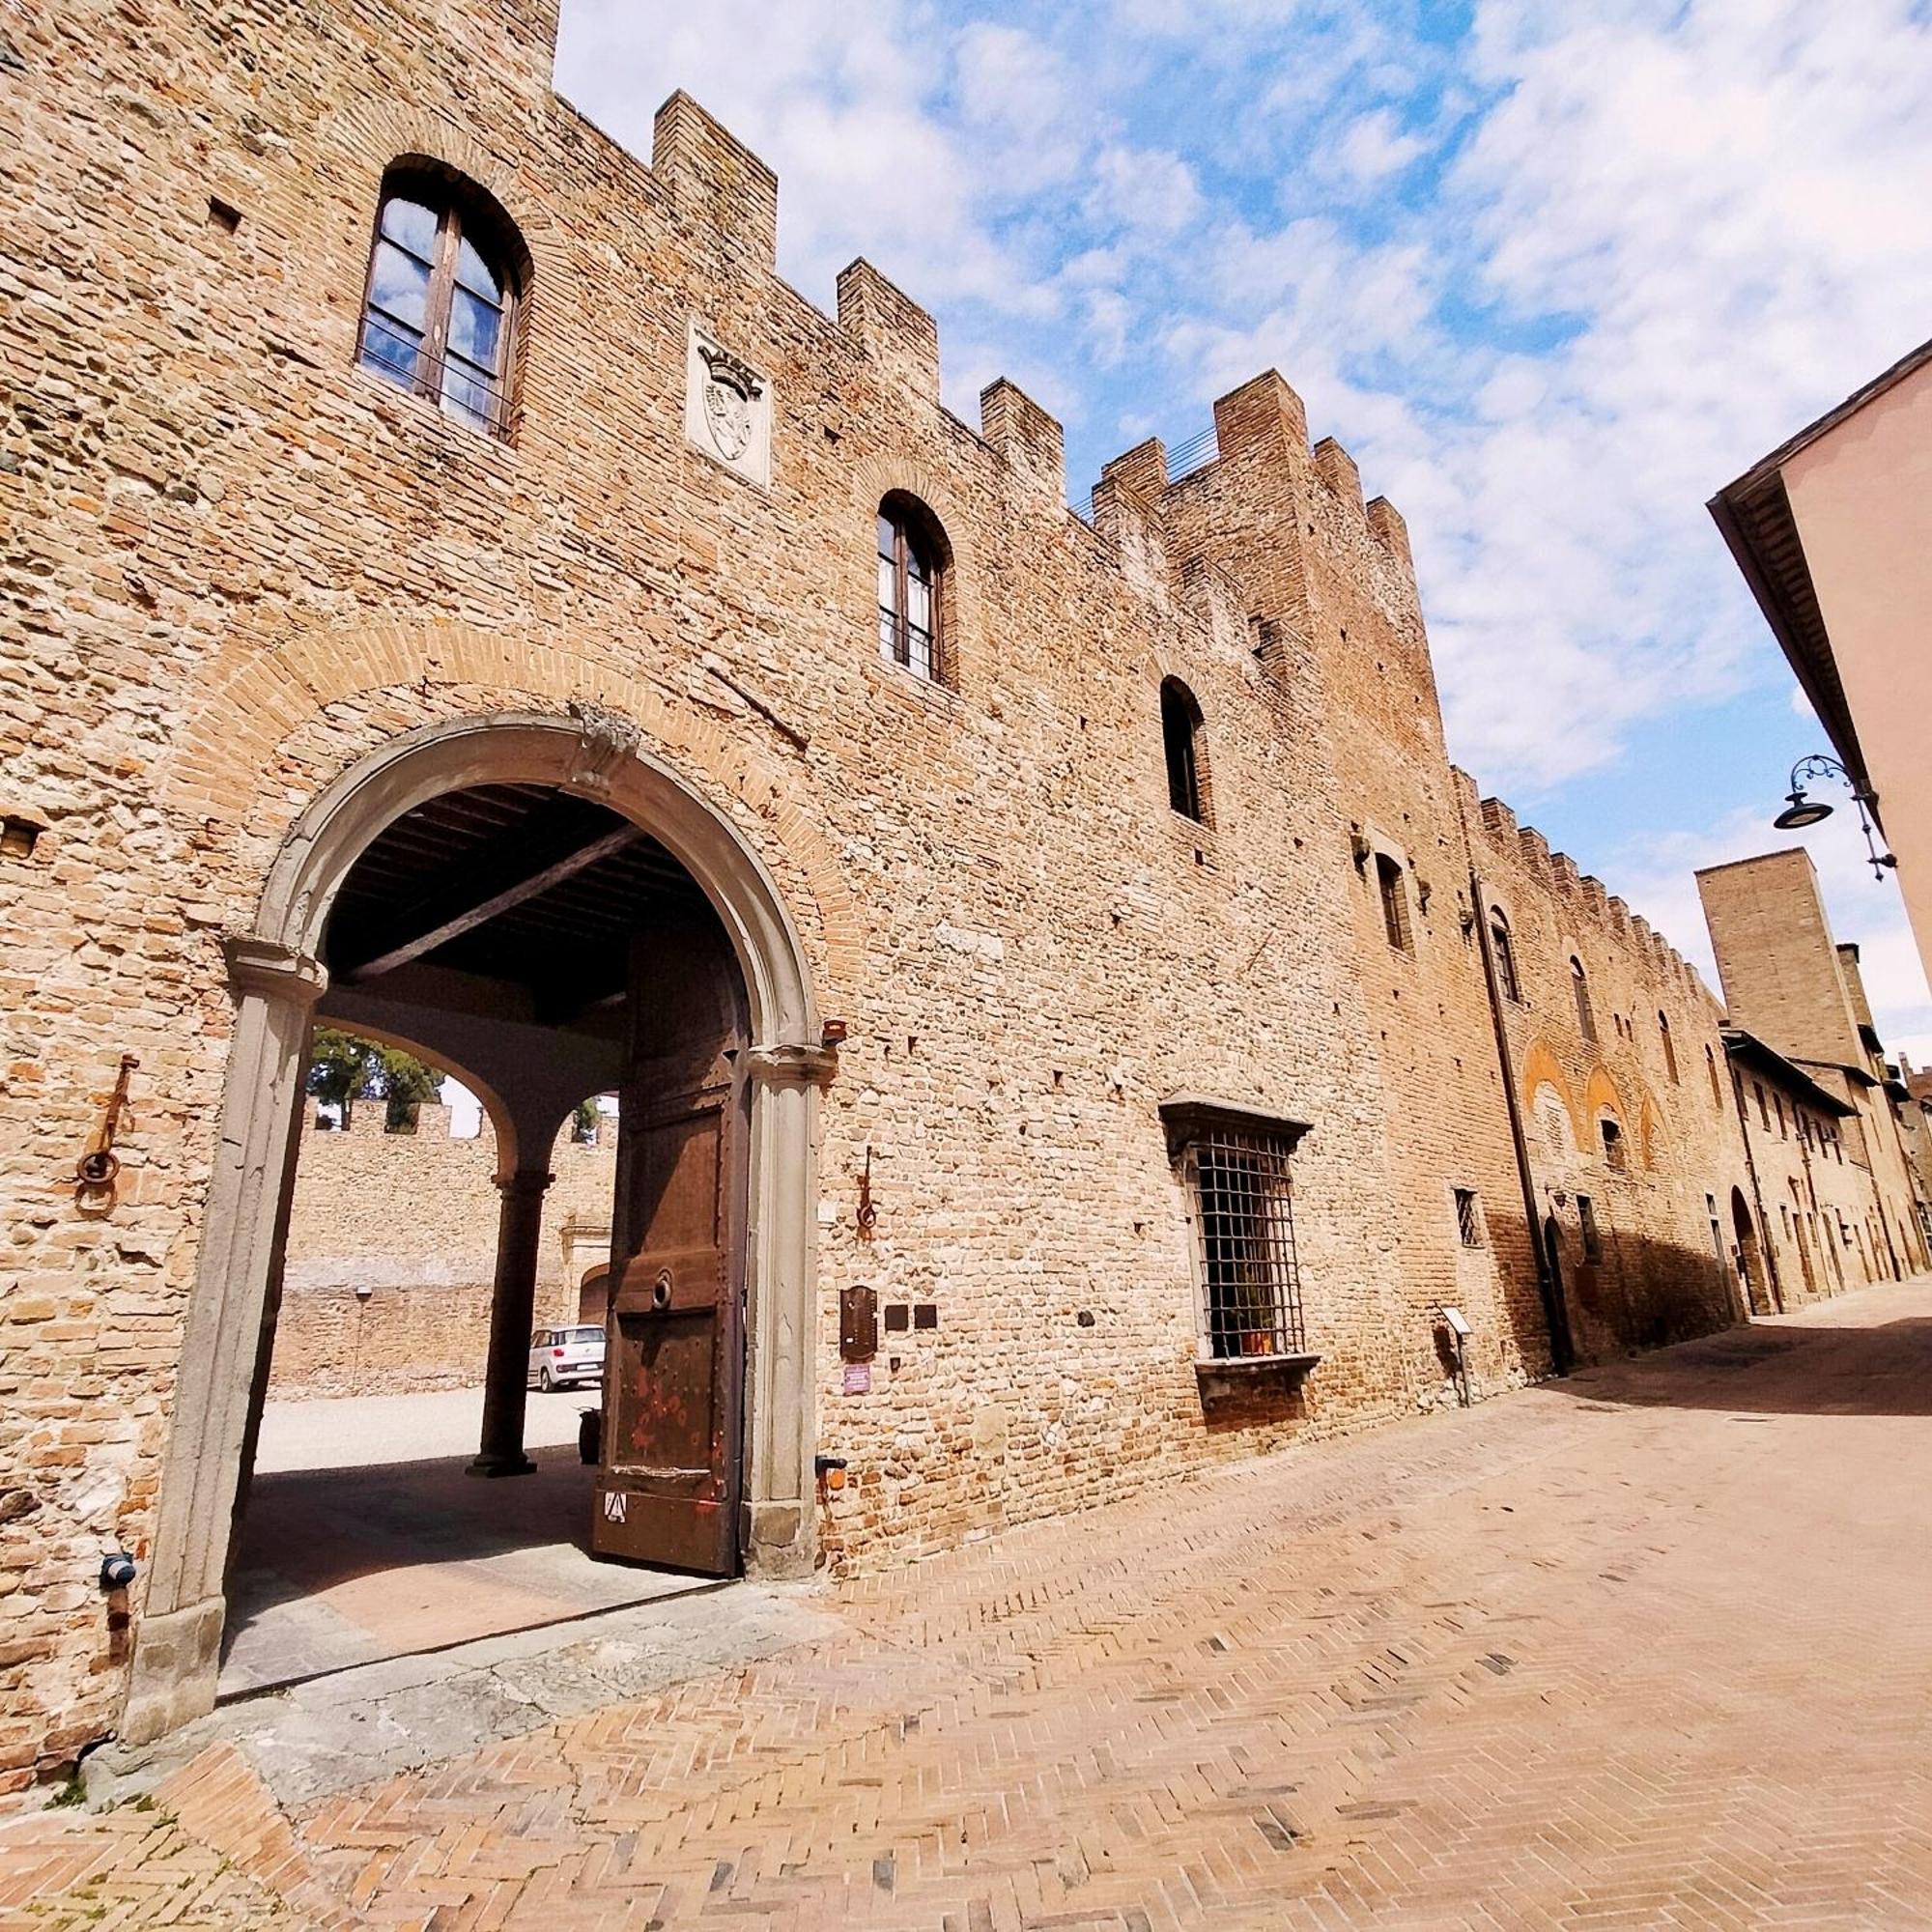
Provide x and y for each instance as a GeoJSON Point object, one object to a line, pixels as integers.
{"type": "Point", "coordinates": [500, 1465]}
{"type": "Point", "coordinates": [177, 1656]}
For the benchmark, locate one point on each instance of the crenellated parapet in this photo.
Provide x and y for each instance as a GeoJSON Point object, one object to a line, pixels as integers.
{"type": "Point", "coordinates": [715, 181]}
{"type": "Point", "coordinates": [1579, 902]}
{"type": "Point", "coordinates": [890, 329]}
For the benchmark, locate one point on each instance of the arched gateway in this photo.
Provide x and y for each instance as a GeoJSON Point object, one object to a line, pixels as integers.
{"type": "Point", "coordinates": [728, 1058]}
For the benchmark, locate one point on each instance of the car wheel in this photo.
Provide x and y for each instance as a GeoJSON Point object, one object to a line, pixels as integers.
{"type": "Point", "coordinates": [544, 1381]}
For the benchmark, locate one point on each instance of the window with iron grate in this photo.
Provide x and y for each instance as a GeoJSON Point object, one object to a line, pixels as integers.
{"type": "Point", "coordinates": [912, 568]}
{"type": "Point", "coordinates": [1244, 1231]}
{"type": "Point", "coordinates": [1469, 1218]}
{"type": "Point", "coordinates": [1593, 1242]}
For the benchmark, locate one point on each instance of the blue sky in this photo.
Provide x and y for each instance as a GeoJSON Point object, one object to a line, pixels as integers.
{"type": "Point", "coordinates": [1553, 272]}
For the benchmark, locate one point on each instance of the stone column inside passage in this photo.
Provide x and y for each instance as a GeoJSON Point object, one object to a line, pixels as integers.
{"type": "Point", "coordinates": [512, 1309]}
{"type": "Point", "coordinates": [177, 1644]}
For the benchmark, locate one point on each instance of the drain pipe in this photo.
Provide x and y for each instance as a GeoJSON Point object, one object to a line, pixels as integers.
{"type": "Point", "coordinates": [1555, 1317]}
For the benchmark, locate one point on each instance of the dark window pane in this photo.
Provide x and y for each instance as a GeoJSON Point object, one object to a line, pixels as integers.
{"type": "Point", "coordinates": [888, 538]}
{"type": "Point", "coordinates": [475, 329]}
{"type": "Point", "coordinates": [400, 287]}
{"type": "Point", "coordinates": [411, 224]}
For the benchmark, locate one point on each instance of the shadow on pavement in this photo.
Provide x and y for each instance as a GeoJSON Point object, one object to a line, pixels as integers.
{"type": "Point", "coordinates": [1777, 1367]}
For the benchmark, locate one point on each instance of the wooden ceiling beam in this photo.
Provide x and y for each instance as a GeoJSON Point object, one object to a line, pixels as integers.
{"type": "Point", "coordinates": [550, 847]}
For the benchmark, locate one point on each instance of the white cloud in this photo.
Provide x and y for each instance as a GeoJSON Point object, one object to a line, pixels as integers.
{"type": "Point", "coordinates": [1143, 189]}
{"type": "Point", "coordinates": [1374, 146]}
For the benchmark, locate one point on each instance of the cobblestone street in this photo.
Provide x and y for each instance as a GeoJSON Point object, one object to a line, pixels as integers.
{"type": "Point", "coordinates": [1648, 1648]}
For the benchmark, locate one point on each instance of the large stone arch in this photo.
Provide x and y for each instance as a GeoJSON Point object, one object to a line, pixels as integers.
{"type": "Point", "coordinates": [277, 978]}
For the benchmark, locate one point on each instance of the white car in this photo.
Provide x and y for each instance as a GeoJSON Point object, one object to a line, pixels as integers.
{"type": "Point", "coordinates": [561, 1357]}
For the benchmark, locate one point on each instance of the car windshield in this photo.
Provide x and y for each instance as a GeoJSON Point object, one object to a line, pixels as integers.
{"type": "Point", "coordinates": [586, 1334]}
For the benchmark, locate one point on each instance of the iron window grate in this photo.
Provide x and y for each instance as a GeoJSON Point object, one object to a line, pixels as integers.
{"type": "Point", "coordinates": [1250, 1276]}
{"type": "Point", "coordinates": [1469, 1218]}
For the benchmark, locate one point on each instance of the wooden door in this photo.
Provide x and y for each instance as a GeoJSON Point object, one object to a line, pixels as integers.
{"type": "Point", "coordinates": [668, 1489]}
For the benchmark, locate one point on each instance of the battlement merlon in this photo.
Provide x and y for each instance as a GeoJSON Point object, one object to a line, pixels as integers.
{"type": "Point", "coordinates": [890, 327]}
{"type": "Point", "coordinates": [1338, 469]}
{"type": "Point", "coordinates": [715, 180]}
{"type": "Point", "coordinates": [1029, 440]}
{"type": "Point", "coordinates": [1143, 469]}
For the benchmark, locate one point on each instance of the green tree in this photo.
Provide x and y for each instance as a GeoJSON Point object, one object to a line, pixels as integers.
{"type": "Point", "coordinates": [583, 1122]}
{"type": "Point", "coordinates": [344, 1068]}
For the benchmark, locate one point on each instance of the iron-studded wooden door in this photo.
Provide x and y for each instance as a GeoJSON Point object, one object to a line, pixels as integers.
{"type": "Point", "coordinates": [667, 1491]}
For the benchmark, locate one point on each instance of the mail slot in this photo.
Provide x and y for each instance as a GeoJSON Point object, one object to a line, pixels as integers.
{"type": "Point", "coordinates": [858, 1325]}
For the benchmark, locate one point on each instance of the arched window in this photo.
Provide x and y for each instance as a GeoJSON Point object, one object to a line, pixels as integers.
{"type": "Point", "coordinates": [441, 308]}
{"type": "Point", "coordinates": [912, 569]}
{"type": "Point", "coordinates": [1503, 947]}
{"type": "Point", "coordinates": [1580, 985]}
{"type": "Point", "coordinates": [1669, 1047]}
{"type": "Point", "coordinates": [1186, 756]}
{"type": "Point", "coordinates": [1615, 1154]}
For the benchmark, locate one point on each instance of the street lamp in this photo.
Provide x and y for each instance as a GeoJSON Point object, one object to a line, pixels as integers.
{"type": "Point", "coordinates": [1802, 810]}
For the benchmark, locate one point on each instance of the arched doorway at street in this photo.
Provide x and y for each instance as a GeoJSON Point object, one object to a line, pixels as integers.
{"type": "Point", "coordinates": [1748, 1256]}
{"type": "Point", "coordinates": [530, 900]}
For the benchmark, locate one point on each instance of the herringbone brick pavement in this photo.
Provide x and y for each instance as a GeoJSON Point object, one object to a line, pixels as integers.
{"type": "Point", "coordinates": [1651, 1648]}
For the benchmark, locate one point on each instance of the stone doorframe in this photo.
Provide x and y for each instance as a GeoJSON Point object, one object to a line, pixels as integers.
{"type": "Point", "coordinates": [277, 977]}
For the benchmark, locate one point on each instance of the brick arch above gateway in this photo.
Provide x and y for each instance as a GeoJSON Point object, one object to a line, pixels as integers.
{"type": "Point", "coordinates": [229, 750]}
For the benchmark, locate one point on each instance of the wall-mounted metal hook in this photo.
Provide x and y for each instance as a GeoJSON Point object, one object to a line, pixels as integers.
{"type": "Point", "coordinates": [868, 1213]}
{"type": "Point", "coordinates": [96, 1170]}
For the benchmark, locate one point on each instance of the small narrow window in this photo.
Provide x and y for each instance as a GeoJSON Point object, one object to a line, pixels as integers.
{"type": "Point", "coordinates": [1579, 986]}
{"type": "Point", "coordinates": [1469, 1218]}
{"type": "Point", "coordinates": [912, 565]}
{"type": "Point", "coordinates": [1504, 948]}
{"type": "Point", "coordinates": [439, 308]}
{"type": "Point", "coordinates": [1711, 1068]}
{"type": "Point", "coordinates": [1783, 1132]}
{"type": "Point", "coordinates": [1244, 1223]}
{"type": "Point", "coordinates": [1763, 1111]}
{"type": "Point", "coordinates": [1615, 1155]}
{"type": "Point", "coordinates": [1395, 900]}
{"type": "Point", "coordinates": [1669, 1047]}
{"type": "Point", "coordinates": [1592, 1242]}
{"type": "Point", "coordinates": [1181, 740]}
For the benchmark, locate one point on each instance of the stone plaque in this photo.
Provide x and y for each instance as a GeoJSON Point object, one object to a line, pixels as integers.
{"type": "Point", "coordinates": [727, 407]}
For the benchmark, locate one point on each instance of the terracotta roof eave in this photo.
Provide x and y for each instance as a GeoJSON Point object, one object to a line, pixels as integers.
{"type": "Point", "coordinates": [1765, 1059]}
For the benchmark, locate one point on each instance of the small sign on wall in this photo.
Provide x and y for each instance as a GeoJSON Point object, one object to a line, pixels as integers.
{"type": "Point", "coordinates": [858, 1380]}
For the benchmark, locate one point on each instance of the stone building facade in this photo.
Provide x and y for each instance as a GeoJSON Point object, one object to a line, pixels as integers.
{"type": "Point", "coordinates": [1800, 990]}
{"type": "Point", "coordinates": [265, 611]}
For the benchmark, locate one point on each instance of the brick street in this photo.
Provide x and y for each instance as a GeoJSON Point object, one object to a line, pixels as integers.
{"type": "Point", "coordinates": [1648, 1648]}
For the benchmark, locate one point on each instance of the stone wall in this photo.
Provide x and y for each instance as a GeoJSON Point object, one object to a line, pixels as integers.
{"type": "Point", "coordinates": [242, 566]}
{"type": "Point", "coordinates": [411, 1219]}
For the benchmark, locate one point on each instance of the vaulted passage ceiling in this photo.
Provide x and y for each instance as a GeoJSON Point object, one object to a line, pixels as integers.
{"type": "Point", "coordinates": [524, 886]}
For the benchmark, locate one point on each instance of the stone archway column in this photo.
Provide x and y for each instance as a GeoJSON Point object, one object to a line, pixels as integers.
{"type": "Point", "coordinates": [781, 1267]}
{"type": "Point", "coordinates": [179, 1647]}
{"type": "Point", "coordinates": [512, 1309]}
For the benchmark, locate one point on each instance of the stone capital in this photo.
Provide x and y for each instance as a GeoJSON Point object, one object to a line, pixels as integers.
{"type": "Point", "coordinates": [271, 971]}
{"type": "Point", "coordinates": [527, 1183]}
{"type": "Point", "coordinates": [792, 1063]}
